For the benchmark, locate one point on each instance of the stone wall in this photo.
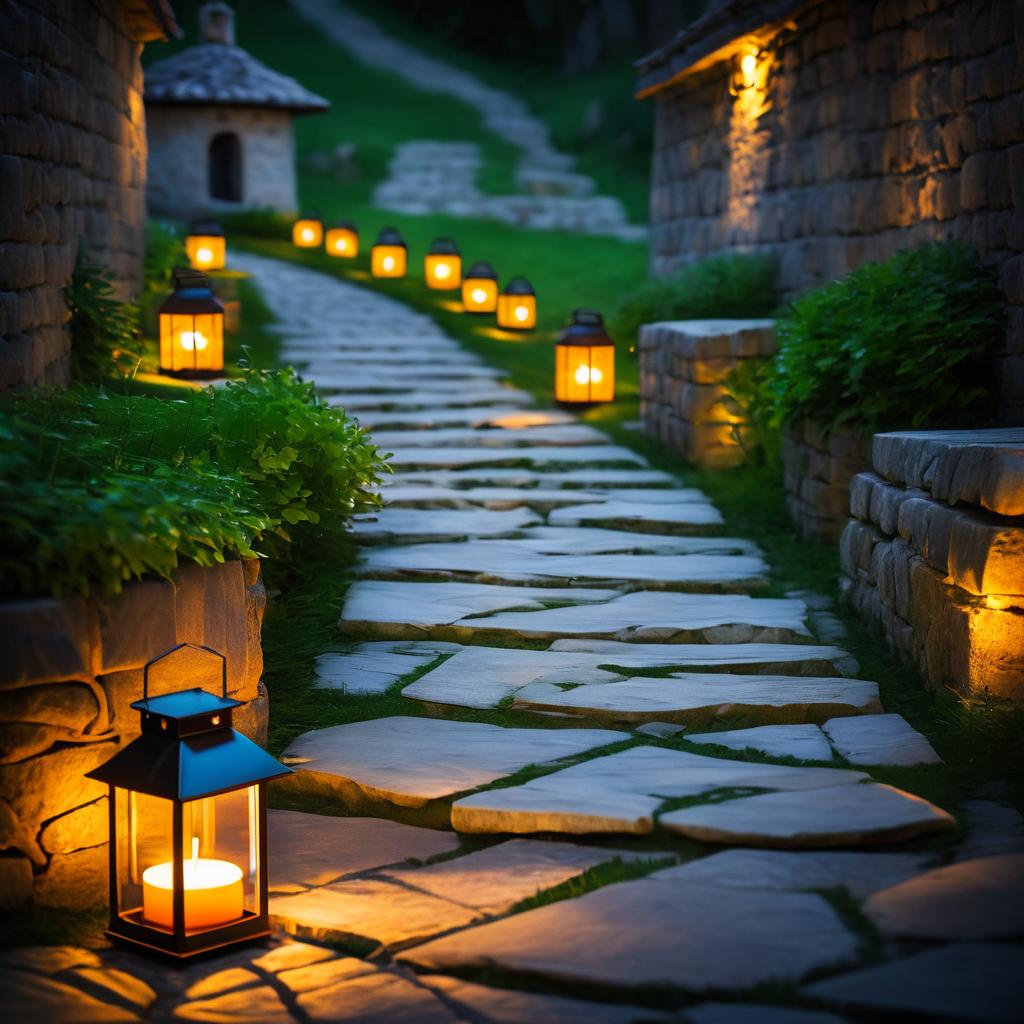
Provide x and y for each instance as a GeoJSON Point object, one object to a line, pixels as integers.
{"type": "Point", "coordinates": [866, 126]}
{"type": "Point", "coordinates": [683, 366]}
{"type": "Point", "coordinates": [817, 470]}
{"type": "Point", "coordinates": [179, 145]}
{"type": "Point", "coordinates": [934, 555]}
{"type": "Point", "coordinates": [72, 170]}
{"type": "Point", "coordinates": [70, 671]}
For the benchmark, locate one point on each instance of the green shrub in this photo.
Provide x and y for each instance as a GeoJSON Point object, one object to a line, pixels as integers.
{"type": "Point", "coordinates": [892, 345]}
{"type": "Point", "coordinates": [102, 327]}
{"type": "Point", "coordinates": [736, 285]}
{"type": "Point", "coordinates": [262, 223]}
{"type": "Point", "coordinates": [97, 488]}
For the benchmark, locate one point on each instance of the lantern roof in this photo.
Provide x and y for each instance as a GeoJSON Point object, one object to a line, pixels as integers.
{"type": "Point", "coordinates": [192, 294]}
{"type": "Point", "coordinates": [390, 236]}
{"type": "Point", "coordinates": [217, 72]}
{"type": "Point", "coordinates": [482, 270]}
{"type": "Point", "coordinates": [348, 225]}
{"type": "Point", "coordinates": [444, 247]}
{"type": "Point", "coordinates": [585, 328]}
{"type": "Point", "coordinates": [209, 228]}
{"type": "Point", "coordinates": [519, 286]}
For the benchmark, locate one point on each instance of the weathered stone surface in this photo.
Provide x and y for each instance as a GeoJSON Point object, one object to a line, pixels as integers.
{"type": "Point", "coordinates": [879, 739]}
{"type": "Point", "coordinates": [806, 742]}
{"type": "Point", "coordinates": [15, 882]}
{"type": "Point", "coordinates": [312, 849]}
{"type": "Point", "coordinates": [31, 997]}
{"type": "Point", "coordinates": [629, 936]}
{"type": "Point", "coordinates": [410, 761]}
{"type": "Point", "coordinates": [660, 730]}
{"type": "Point", "coordinates": [258, 1004]}
{"type": "Point", "coordinates": [323, 972]}
{"type": "Point", "coordinates": [544, 499]}
{"type": "Point", "coordinates": [501, 437]}
{"type": "Point", "coordinates": [453, 458]}
{"type": "Point", "coordinates": [625, 514]}
{"type": "Point", "coordinates": [378, 998]}
{"type": "Point", "coordinates": [411, 524]}
{"type": "Point", "coordinates": [221, 981]}
{"type": "Point", "coordinates": [46, 640]}
{"type": "Point", "coordinates": [115, 985]}
{"type": "Point", "coordinates": [422, 397]}
{"type": "Point", "coordinates": [965, 981]}
{"type": "Point", "coordinates": [373, 667]}
{"type": "Point", "coordinates": [860, 874]}
{"type": "Point", "coordinates": [448, 416]}
{"type": "Point", "coordinates": [842, 816]}
{"type": "Point", "coordinates": [620, 792]}
{"type": "Point", "coordinates": [290, 955]}
{"type": "Point", "coordinates": [991, 827]}
{"type": "Point", "coordinates": [577, 477]}
{"type": "Point", "coordinates": [975, 899]}
{"type": "Point", "coordinates": [755, 1013]}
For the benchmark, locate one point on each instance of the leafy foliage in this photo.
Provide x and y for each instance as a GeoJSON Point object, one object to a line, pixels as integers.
{"type": "Point", "coordinates": [736, 285]}
{"type": "Point", "coordinates": [892, 345]}
{"type": "Point", "coordinates": [102, 327]}
{"type": "Point", "coordinates": [97, 488]}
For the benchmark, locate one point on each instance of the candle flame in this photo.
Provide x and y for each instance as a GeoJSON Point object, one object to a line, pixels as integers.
{"type": "Point", "coordinates": [193, 341]}
{"type": "Point", "coordinates": [588, 375]}
{"type": "Point", "coordinates": [389, 263]}
{"type": "Point", "coordinates": [478, 295]}
{"type": "Point", "coordinates": [204, 256]}
{"type": "Point", "coordinates": [522, 313]}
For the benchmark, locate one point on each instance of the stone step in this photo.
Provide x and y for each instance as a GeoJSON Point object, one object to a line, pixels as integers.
{"type": "Point", "coordinates": [581, 477]}
{"type": "Point", "coordinates": [453, 458]}
{"type": "Point", "coordinates": [501, 437]}
{"type": "Point", "coordinates": [423, 398]}
{"type": "Point", "coordinates": [451, 416]}
{"type": "Point", "coordinates": [410, 525]}
{"type": "Point", "coordinates": [625, 515]}
{"type": "Point", "coordinates": [540, 498]}
{"type": "Point", "coordinates": [372, 668]}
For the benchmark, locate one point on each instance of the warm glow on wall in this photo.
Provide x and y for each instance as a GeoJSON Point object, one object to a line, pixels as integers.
{"type": "Point", "coordinates": [204, 246]}
{"type": "Point", "coordinates": [342, 240]}
{"type": "Point", "coordinates": [480, 289]}
{"type": "Point", "coordinates": [584, 361]}
{"type": "Point", "coordinates": [191, 328]}
{"type": "Point", "coordinates": [388, 256]}
{"type": "Point", "coordinates": [517, 305]}
{"type": "Point", "coordinates": [442, 266]}
{"type": "Point", "coordinates": [308, 231]}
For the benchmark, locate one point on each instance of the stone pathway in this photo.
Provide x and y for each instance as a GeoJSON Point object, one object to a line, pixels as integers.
{"type": "Point", "coordinates": [680, 817]}
{"type": "Point", "coordinates": [430, 176]}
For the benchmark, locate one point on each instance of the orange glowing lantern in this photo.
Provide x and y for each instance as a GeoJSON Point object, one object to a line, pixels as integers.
{"type": "Point", "coordinates": [204, 245]}
{"type": "Point", "coordinates": [480, 289]}
{"type": "Point", "coordinates": [343, 240]}
{"type": "Point", "coordinates": [389, 255]}
{"type": "Point", "coordinates": [584, 361]}
{"type": "Point", "coordinates": [191, 328]}
{"type": "Point", "coordinates": [308, 230]}
{"type": "Point", "coordinates": [442, 266]}
{"type": "Point", "coordinates": [517, 305]}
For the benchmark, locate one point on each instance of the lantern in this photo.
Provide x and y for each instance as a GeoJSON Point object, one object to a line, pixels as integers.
{"type": "Point", "coordinates": [388, 255]}
{"type": "Point", "coordinates": [343, 240]}
{"type": "Point", "coordinates": [308, 230]}
{"type": "Point", "coordinates": [442, 266]}
{"type": "Point", "coordinates": [584, 360]}
{"type": "Point", "coordinates": [188, 824]}
{"type": "Point", "coordinates": [517, 305]}
{"type": "Point", "coordinates": [480, 289]}
{"type": "Point", "coordinates": [204, 245]}
{"type": "Point", "coordinates": [191, 328]}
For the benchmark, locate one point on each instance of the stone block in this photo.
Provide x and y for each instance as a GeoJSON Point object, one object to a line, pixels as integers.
{"type": "Point", "coordinates": [75, 881]}
{"type": "Point", "coordinates": [79, 829]}
{"type": "Point", "coordinates": [15, 882]}
{"type": "Point", "coordinates": [136, 625]}
{"type": "Point", "coordinates": [44, 640]}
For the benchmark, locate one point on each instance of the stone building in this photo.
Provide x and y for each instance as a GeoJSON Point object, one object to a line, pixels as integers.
{"type": "Point", "coordinates": [72, 165]}
{"type": "Point", "coordinates": [834, 132]}
{"type": "Point", "coordinates": [220, 126]}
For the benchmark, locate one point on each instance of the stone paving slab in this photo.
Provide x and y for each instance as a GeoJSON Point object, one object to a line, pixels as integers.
{"type": "Point", "coordinates": [324, 355]}
{"type": "Point", "coordinates": [839, 816]}
{"type": "Point", "coordinates": [374, 667]}
{"type": "Point", "coordinates": [544, 499]}
{"type": "Point", "coordinates": [307, 850]}
{"type": "Point", "coordinates": [755, 1013]}
{"type": "Point", "coordinates": [559, 434]}
{"type": "Point", "coordinates": [410, 761]}
{"type": "Point", "coordinates": [449, 416]}
{"type": "Point", "coordinates": [967, 981]}
{"type": "Point", "coordinates": [975, 899]}
{"type": "Point", "coordinates": [806, 742]}
{"type": "Point", "coordinates": [453, 458]}
{"type": "Point", "coordinates": [435, 377]}
{"type": "Point", "coordinates": [652, 932]}
{"type": "Point", "coordinates": [422, 397]}
{"type": "Point", "coordinates": [578, 477]}
{"type": "Point", "coordinates": [628, 515]}
{"type": "Point", "coordinates": [411, 524]}
{"type": "Point", "coordinates": [880, 739]}
{"type": "Point", "coordinates": [620, 792]}
{"type": "Point", "coordinates": [383, 997]}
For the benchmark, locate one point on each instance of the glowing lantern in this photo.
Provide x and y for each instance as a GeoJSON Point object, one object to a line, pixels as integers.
{"type": "Point", "coordinates": [517, 305]}
{"type": "Point", "coordinates": [343, 240]}
{"type": "Point", "coordinates": [442, 266]}
{"type": "Point", "coordinates": [188, 824]}
{"type": "Point", "coordinates": [204, 245]}
{"type": "Point", "coordinates": [191, 328]}
{"type": "Point", "coordinates": [480, 289]}
{"type": "Point", "coordinates": [388, 256]}
{"type": "Point", "coordinates": [308, 230]}
{"type": "Point", "coordinates": [585, 360]}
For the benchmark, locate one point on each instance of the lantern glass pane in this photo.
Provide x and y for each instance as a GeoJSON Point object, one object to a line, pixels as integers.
{"type": "Point", "coordinates": [387, 261]}
{"type": "Point", "coordinates": [191, 342]}
{"type": "Point", "coordinates": [206, 252]}
{"type": "Point", "coordinates": [307, 234]}
{"type": "Point", "coordinates": [342, 242]}
{"type": "Point", "coordinates": [517, 311]}
{"type": "Point", "coordinates": [144, 841]}
{"type": "Point", "coordinates": [443, 271]}
{"type": "Point", "coordinates": [584, 373]}
{"type": "Point", "coordinates": [479, 295]}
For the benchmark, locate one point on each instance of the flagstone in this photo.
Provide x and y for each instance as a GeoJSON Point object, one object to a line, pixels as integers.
{"type": "Point", "coordinates": [260, 1004]}
{"type": "Point", "coordinates": [410, 761]}
{"type": "Point", "coordinates": [880, 739]}
{"type": "Point", "coordinates": [651, 932]}
{"type": "Point", "coordinates": [360, 359]}
{"type": "Point", "coordinates": [860, 874]}
{"type": "Point", "coordinates": [325, 972]}
{"type": "Point", "coordinates": [806, 742]}
{"type": "Point", "coordinates": [448, 416]}
{"type": "Point", "coordinates": [497, 437]}
{"type": "Point", "coordinates": [620, 792]}
{"type": "Point", "coordinates": [422, 396]}
{"type": "Point", "coordinates": [544, 499]}
{"type": "Point", "coordinates": [448, 458]}
{"type": "Point", "coordinates": [973, 899]}
{"type": "Point", "coordinates": [289, 955]}
{"type": "Point", "coordinates": [221, 981]}
{"type": "Point", "coordinates": [514, 1006]}
{"type": "Point", "coordinates": [581, 477]}
{"type": "Point", "coordinates": [755, 1013]}
{"type": "Point", "coordinates": [413, 523]}
{"type": "Point", "coordinates": [382, 997]}
{"type": "Point", "coordinates": [395, 378]}
{"type": "Point", "coordinates": [626, 514]}
{"type": "Point", "coordinates": [967, 981]}
{"type": "Point", "coordinates": [839, 816]}
{"type": "Point", "coordinates": [374, 667]}
{"type": "Point", "coordinates": [312, 849]}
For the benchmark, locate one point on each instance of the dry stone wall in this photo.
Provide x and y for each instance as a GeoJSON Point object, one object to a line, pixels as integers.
{"type": "Point", "coordinates": [683, 368]}
{"type": "Point", "coordinates": [71, 669]}
{"type": "Point", "coordinates": [72, 170]}
{"type": "Point", "coordinates": [934, 555]}
{"type": "Point", "coordinates": [869, 127]}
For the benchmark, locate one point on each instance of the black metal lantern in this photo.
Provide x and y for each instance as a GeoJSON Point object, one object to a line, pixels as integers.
{"type": "Point", "coordinates": [584, 361]}
{"type": "Point", "coordinates": [205, 245]}
{"type": "Point", "coordinates": [480, 289]}
{"type": "Point", "coordinates": [191, 328]}
{"type": "Point", "coordinates": [188, 824]}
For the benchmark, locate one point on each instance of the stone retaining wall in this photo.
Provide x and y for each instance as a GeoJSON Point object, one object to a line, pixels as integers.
{"type": "Point", "coordinates": [817, 470]}
{"type": "Point", "coordinates": [72, 170]}
{"type": "Point", "coordinates": [683, 367]}
{"type": "Point", "coordinates": [70, 671]}
{"type": "Point", "coordinates": [934, 555]}
{"type": "Point", "coordinates": [866, 127]}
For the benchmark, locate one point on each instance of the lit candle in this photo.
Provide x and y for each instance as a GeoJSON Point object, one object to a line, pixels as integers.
{"type": "Point", "coordinates": [213, 892]}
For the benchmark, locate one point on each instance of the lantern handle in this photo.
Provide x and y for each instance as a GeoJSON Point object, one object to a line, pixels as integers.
{"type": "Point", "coordinates": [194, 647]}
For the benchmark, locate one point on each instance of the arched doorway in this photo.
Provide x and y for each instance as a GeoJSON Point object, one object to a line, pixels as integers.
{"type": "Point", "coordinates": [226, 167]}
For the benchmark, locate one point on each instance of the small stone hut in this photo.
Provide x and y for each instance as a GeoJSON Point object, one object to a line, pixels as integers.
{"type": "Point", "coordinates": [220, 126]}
{"type": "Point", "coordinates": [835, 132]}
